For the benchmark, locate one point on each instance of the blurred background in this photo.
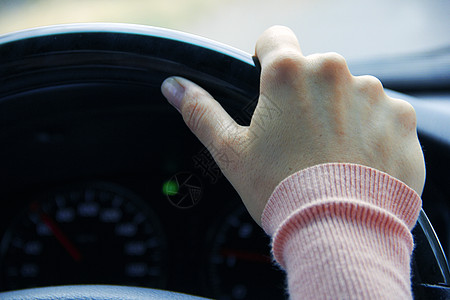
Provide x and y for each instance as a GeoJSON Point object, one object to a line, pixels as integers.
{"type": "Point", "coordinates": [357, 29]}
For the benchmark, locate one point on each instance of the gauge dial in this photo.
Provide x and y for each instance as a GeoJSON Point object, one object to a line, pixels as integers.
{"type": "Point", "coordinates": [90, 234]}
{"type": "Point", "coordinates": [240, 264]}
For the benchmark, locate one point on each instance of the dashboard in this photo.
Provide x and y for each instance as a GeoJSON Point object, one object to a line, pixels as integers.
{"type": "Point", "coordinates": [102, 182]}
{"type": "Point", "coordinates": [126, 231]}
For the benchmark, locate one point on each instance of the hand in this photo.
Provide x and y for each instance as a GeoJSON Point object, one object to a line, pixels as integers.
{"type": "Point", "coordinates": [311, 110]}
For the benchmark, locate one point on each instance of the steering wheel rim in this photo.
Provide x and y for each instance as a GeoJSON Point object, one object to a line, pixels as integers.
{"type": "Point", "coordinates": [65, 56]}
{"type": "Point", "coordinates": [95, 292]}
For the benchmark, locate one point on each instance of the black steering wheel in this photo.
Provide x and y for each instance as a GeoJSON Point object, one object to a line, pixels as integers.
{"type": "Point", "coordinates": [82, 75]}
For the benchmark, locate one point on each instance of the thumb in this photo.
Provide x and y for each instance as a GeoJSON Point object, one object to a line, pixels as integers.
{"type": "Point", "coordinates": [204, 116]}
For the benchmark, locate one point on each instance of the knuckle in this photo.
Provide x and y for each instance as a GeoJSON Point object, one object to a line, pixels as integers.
{"type": "Point", "coordinates": [331, 63]}
{"type": "Point", "coordinates": [194, 113]}
{"type": "Point", "coordinates": [371, 85]}
{"type": "Point", "coordinates": [285, 65]}
{"type": "Point", "coordinates": [406, 115]}
{"type": "Point", "coordinates": [373, 82]}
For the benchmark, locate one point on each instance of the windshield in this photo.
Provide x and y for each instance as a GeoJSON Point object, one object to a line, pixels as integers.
{"type": "Point", "coordinates": [359, 30]}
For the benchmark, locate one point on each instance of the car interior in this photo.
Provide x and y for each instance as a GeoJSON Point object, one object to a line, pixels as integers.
{"type": "Point", "coordinates": [103, 184]}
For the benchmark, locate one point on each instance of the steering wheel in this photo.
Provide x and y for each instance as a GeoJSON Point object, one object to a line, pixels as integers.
{"type": "Point", "coordinates": [44, 72]}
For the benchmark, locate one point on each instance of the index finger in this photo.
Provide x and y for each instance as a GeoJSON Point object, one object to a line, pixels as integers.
{"type": "Point", "coordinates": [276, 40]}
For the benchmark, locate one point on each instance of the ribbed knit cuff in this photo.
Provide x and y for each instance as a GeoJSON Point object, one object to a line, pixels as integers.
{"type": "Point", "coordinates": [337, 181]}
{"type": "Point", "coordinates": [348, 191]}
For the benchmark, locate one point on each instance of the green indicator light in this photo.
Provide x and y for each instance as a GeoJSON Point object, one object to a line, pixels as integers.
{"type": "Point", "coordinates": [170, 188]}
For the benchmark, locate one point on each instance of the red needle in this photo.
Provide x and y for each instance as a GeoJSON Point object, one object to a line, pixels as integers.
{"type": "Point", "coordinates": [59, 234]}
{"type": "Point", "coordinates": [246, 255]}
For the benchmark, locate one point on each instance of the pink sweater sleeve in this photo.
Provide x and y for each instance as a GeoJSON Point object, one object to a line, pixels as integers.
{"type": "Point", "coordinates": [342, 231]}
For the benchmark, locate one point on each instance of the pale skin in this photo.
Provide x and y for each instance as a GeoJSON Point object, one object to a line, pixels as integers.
{"type": "Point", "coordinates": [320, 114]}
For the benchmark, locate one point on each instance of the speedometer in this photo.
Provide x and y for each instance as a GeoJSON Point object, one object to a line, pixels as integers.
{"type": "Point", "coordinates": [89, 234]}
{"type": "Point", "coordinates": [240, 265]}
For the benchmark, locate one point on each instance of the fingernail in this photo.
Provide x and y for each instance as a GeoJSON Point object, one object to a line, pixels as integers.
{"type": "Point", "coordinates": [173, 91]}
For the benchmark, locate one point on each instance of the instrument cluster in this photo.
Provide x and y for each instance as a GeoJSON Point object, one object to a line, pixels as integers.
{"type": "Point", "coordinates": [188, 235]}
